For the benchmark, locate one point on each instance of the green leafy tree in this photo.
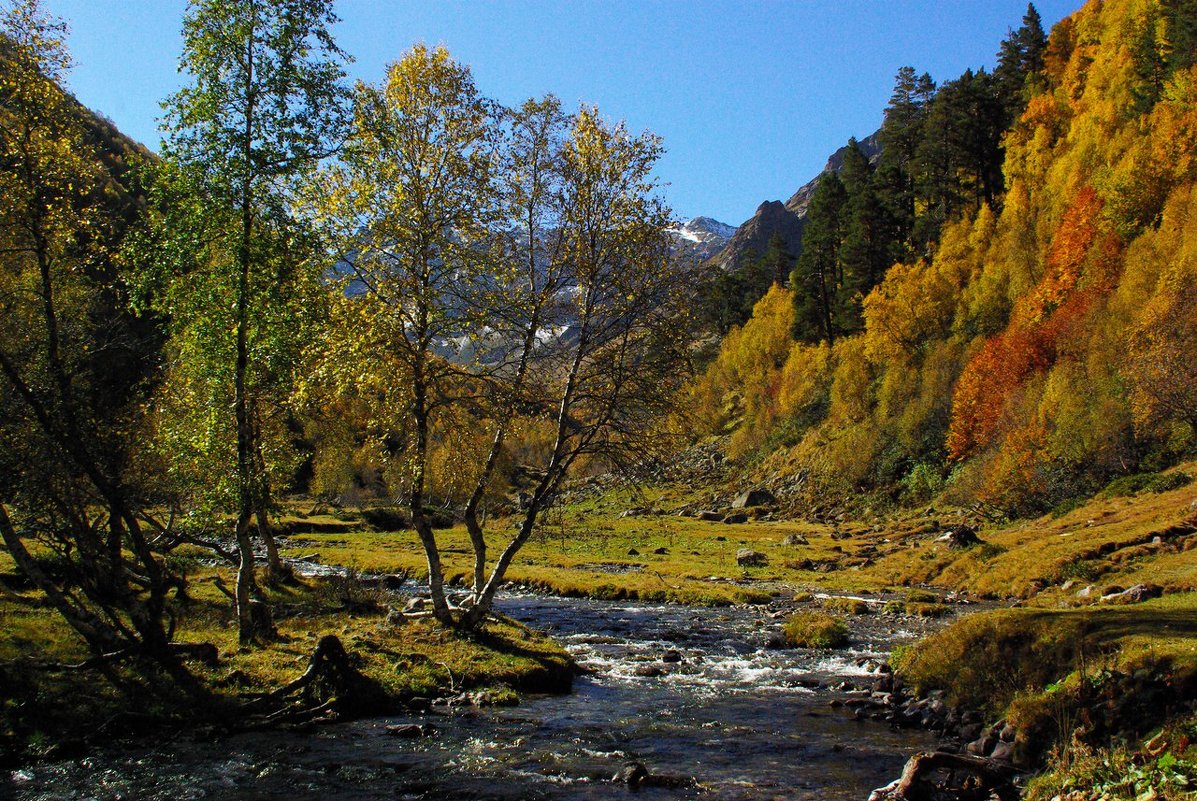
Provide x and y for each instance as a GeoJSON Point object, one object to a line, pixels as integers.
{"type": "Point", "coordinates": [263, 106]}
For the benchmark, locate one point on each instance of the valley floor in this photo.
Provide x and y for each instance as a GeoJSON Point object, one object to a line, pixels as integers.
{"type": "Point", "coordinates": [1092, 651]}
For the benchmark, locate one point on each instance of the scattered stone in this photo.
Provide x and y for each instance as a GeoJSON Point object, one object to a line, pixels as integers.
{"type": "Point", "coordinates": [632, 774]}
{"type": "Point", "coordinates": [971, 731]}
{"type": "Point", "coordinates": [753, 497]}
{"type": "Point", "coordinates": [392, 582]}
{"type": "Point", "coordinates": [633, 552]}
{"type": "Point", "coordinates": [711, 517]}
{"type": "Point", "coordinates": [746, 557]}
{"type": "Point", "coordinates": [671, 656]}
{"type": "Point", "coordinates": [982, 746]}
{"type": "Point", "coordinates": [660, 551]}
{"type": "Point", "coordinates": [738, 517]}
{"type": "Point", "coordinates": [966, 777]}
{"type": "Point", "coordinates": [1003, 751]}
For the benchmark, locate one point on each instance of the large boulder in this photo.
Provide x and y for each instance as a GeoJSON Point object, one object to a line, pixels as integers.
{"type": "Point", "coordinates": [753, 497]}
{"type": "Point", "coordinates": [746, 557]}
{"type": "Point", "coordinates": [961, 537]}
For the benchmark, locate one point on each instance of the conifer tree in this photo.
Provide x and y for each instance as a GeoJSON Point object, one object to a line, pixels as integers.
{"type": "Point", "coordinates": [869, 238]}
{"type": "Point", "coordinates": [1181, 19]}
{"type": "Point", "coordinates": [901, 134]}
{"type": "Point", "coordinates": [1149, 57]}
{"type": "Point", "coordinates": [817, 279]}
{"type": "Point", "coordinates": [1020, 58]}
{"type": "Point", "coordinates": [960, 156]}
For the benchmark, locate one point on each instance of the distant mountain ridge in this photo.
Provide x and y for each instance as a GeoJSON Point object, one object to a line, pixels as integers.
{"type": "Point", "coordinates": [786, 220]}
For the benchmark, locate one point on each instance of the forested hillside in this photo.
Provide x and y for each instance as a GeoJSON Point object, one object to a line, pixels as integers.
{"type": "Point", "coordinates": [1031, 339]}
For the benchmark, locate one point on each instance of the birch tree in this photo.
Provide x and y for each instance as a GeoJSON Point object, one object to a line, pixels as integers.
{"type": "Point", "coordinates": [264, 105]}
{"type": "Point", "coordinates": [512, 264]}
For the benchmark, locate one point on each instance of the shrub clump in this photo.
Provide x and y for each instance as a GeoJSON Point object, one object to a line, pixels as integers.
{"type": "Point", "coordinates": [1145, 482]}
{"type": "Point", "coordinates": [915, 609]}
{"type": "Point", "coordinates": [846, 606]}
{"type": "Point", "coordinates": [815, 630]}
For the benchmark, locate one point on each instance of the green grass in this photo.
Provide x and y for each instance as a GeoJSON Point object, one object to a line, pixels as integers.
{"type": "Point", "coordinates": [1161, 766]}
{"type": "Point", "coordinates": [1120, 668]}
{"type": "Point", "coordinates": [1002, 661]}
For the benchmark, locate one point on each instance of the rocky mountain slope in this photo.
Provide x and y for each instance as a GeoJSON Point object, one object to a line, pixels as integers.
{"type": "Point", "coordinates": [786, 220]}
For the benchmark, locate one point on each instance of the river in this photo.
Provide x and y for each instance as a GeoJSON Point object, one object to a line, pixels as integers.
{"type": "Point", "coordinates": [742, 720]}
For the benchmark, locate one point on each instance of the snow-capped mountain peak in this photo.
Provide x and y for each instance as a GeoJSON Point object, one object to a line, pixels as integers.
{"type": "Point", "coordinates": [702, 236]}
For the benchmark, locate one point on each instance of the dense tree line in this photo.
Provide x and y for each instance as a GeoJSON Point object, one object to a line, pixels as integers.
{"type": "Point", "coordinates": [941, 154]}
{"type": "Point", "coordinates": [1027, 343]}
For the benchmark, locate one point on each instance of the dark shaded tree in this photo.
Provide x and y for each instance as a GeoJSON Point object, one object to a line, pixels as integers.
{"type": "Point", "coordinates": [1020, 61]}
{"type": "Point", "coordinates": [74, 363]}
{"type": "Point", "coordinates": [817, 279]}
{"type": "Point", "coordinates": [959, 160]}
{"type": "Point", "coordinates": [870, 239]}
{"type": "Point", "coordinates": [901, 134]}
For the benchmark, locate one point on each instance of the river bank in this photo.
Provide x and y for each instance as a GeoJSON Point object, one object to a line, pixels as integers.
{"type": "Point", "coordinates": [700, 695]}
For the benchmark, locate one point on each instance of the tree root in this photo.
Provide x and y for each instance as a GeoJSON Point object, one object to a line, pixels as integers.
{"type": "Point", "coordinates": [330, 687]}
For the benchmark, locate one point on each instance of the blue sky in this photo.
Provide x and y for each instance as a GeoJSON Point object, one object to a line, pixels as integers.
{"type": "Point", "coordinates": [750, 97]}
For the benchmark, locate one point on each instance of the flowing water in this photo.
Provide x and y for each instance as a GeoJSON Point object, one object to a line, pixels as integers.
{"type": "Point", "coordinates": [741, 720]}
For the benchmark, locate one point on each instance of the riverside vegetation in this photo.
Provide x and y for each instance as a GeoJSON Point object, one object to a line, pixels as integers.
{"type": "Point", "coordinates": [977, 386]}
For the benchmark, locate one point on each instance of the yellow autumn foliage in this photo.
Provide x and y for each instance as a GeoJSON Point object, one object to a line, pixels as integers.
{"type": "Point", "coordinates": [1070, 309]}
